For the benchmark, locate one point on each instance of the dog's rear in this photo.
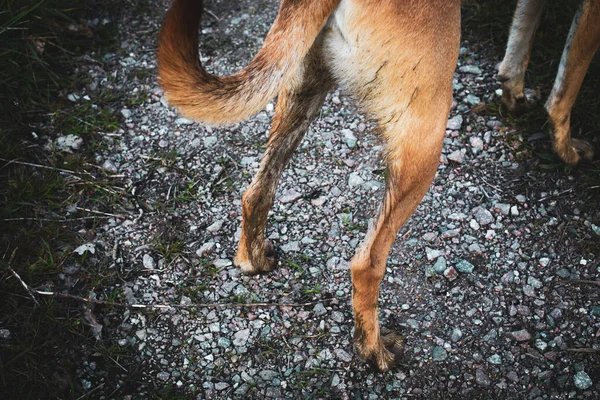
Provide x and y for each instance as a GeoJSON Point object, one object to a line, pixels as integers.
{"type": "Point", "coordinates": [396, 57]}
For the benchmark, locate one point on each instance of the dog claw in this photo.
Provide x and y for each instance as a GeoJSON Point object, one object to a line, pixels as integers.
{"type": "Point", "coordinates": [386, 356]}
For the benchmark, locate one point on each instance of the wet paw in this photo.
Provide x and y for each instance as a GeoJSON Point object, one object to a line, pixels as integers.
{"type": "Point", "coordinates": [386, 354]}
{"type": "Point", "coordinates": [265, 262]}
{"type": "Point", "coordinates": [519, 104]}
{"type": "Point", "coordinates": [578, 150]}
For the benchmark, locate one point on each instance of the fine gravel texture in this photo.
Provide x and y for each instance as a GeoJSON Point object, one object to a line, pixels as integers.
{"type": "Point", "coordinates": [488, 281]}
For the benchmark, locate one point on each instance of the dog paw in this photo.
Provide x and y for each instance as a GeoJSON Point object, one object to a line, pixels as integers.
{"type": "Point", "coordinates": [265, 260]}
{"type": "Point", "coordinates": [386, 354]}
{"type": "Point", "coordinates": [519, 104]}
{"type": "Point", "coordinates": [579, 150]}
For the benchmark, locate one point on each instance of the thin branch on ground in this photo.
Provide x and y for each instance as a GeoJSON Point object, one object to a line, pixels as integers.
{"type": "Point", "coordinates": [581, 282]}
{"type": "Point", "coordinates": [27, 288]}
{"type": "Point", "coordinates": [181, 306]}
{"type": "Point", "coordinates": [583, 350]}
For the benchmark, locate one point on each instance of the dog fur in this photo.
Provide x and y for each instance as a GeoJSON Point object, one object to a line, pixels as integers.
{"type": "Point", "coordinates": [395, 57]}
{"type": "Point", "coordinates": [582, 43]}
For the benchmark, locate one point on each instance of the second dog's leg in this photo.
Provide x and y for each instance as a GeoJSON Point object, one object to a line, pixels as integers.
{"type": "Point", "coordinates": [296, 107]}
{"type": "Point", "coordinates": [582, 43]}
{"type": "Point", "coordinates": [518, 49]}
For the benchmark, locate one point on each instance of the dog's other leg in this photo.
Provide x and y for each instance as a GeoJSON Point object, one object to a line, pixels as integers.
{"type": "Point", "coordinates": [297, 105]}
{"type": "Point", "coordinates": [398, 59]}
{"type": "Point", "coordinates": [518, 49]}
{"type": "Point", "coordinates": [582, 43]}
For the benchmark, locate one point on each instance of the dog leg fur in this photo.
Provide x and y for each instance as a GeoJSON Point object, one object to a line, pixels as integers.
{"type": "Point", "coordinates": [582, 43]}
{"type": "Point", "coordinates": [405, 85]}
{"type": "Point", "coordinates": [297, 105]}
{"type": "Point", "coordinates": [512, 69]}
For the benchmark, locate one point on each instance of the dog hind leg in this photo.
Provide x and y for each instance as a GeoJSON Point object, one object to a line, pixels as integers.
{"type": "Point", "coordinates": [518, 49]}
{"type": "Point", "coordinates": [397, 59]}
{"type": "Point", "coordinates": [296, 106]}
{"type": "Point", "coordinates": [582, 43]}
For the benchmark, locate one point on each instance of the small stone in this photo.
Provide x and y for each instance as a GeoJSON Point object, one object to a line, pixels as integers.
{"type": "Point", "coordinates": [545, 261]}
{"type": "Point", "coordinates": [196, 143]}
{"type": "Point", "coordinates": [219, 386]}
{"type": "Point", "coordinates": [126, 113]}
{"type": "Point", "coordinates": [222, 263]}
{"type": "Point", "coordinates": [355, 180]}
{"type": "Point", "coordinates": [495, 359]}
{"type": "Point", "coordinates": [457, 216]}
{"type": "Point", "coordinates": [464, 266]}
{"type": "Point", "coordinates": [456, 335]}
{"type": "Point", "coordinates": [455, 123]}
{"type": "Point", "coordinates": [474, 225]}
{"type": "Point", "coordinates": [564, 273]}
{"type": "Point", "coordinates": [520, 198]}
{"type": "Point", "coordinates": [183, 121]}
{"type": "Point", "coordinates": [582, 380]}
{"type": "Point", "coordinates": [438, 353]}
{"type": "Point", "coordinates": [148, 262]}
{"type": "Point", "coordinates": [205, 249]}
{"type": "Point", "coordinates": [472, 99]}
{"type": "Point", "coordinates": [290, 196]}
{"type": "Point", "coordinates": [4, 333]}
{"type": "Point", "coordinates": [141, 334]}
{"type": "Point", "coordinates": [110, 167]}
{"type": "Point", "coordinates": [349, 138]}
{"type": "Point", "coordinates": [470, 69]}
{"type": "Point", "coordinates": [541, 345]}
{"type": "Point", "coordinates": [458, 156]}
{"type": "Point", "coordinates": [291, 246]}
{"type": "Point", "coordinates": [240, 338]}
{"type": "Point", "coordinates": [481, 378]}
{"type": "Point", "coordinates": [224, 342]}
{"type": "Point", "coordinates": [536, 283]}
{"type": "Point", "coordinates": [163, 376]}
{"type": "Point", "coordinates": [432, 254]}
{"type": "Point", "coordinates": [450, 273]}
{"type": "Point", "coordinates": [475, 249]}
{"type": "Point", "coordinates": [440, 265]}
{"type": "Point", "coordinates": [210, 141]}
{"type": "Point", "coordinates": [514, 211]}
{"type": "Point", "coordinates": [476, 143]}
{"type": "Point", "coordinates": [215, 226]}
{"type": "Point", "coordinates": [343, 355]}
{"type": "Point", "coordinates": [502, 208]}
{"type": "Point", "coordinates": [521, 335]}
{"type": "Point", "coordinates": [320, 309]}
{"type": "Point", "coordinates": [483, 216]}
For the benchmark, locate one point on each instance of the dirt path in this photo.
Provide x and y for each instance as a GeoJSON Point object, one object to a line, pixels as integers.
{"type": "Point", "coordinates": [485, 281]}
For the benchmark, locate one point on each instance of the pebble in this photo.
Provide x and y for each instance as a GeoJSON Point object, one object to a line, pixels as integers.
{"type": "Point", "coordinates": [582, 380]}
{"type": "Point", "coordinates": [455, 122]}
{"type": "Point", "coordinates": [521, 335]}
{"type": "Point", "coordinates": [319, 309]}
{"type": "Point", "coordinates": [470, 69]}
{"type": "Point", "coordinates": [457, 156]}
{"type": "Point", "coordinates": [438, 353]}
{"type": "Point", "coordinates": [464, 266]}
{"type": "Point", "coordinates": [481, 378]}
{"type": "Point", "coordinates": [343, 355]}
{"type": "Point", "coordinates": [355, 180]}
{"type": "Point", "coordinates": [482, 216]}
{"type": "Point", "coordinates": [440, 265]}
{"type": "Point", "coordinates": [148, 262]}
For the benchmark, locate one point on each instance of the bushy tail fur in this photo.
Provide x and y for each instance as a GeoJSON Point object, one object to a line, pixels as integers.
{"type": "Point", "coordinates": [228, 99]}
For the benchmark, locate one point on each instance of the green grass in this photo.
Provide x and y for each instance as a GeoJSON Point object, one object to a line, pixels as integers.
{"type": "Point", "coordinates": [42, 45]}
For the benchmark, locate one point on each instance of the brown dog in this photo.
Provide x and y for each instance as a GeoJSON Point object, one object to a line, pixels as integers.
{"type": "Point", "coordinates": [582, 43]}
{"type": "Point", "coordinates": [395, 56]}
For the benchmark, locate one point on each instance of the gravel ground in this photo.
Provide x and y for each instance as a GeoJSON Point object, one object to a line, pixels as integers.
{"type": "Point", "coordinates": [485, 280]}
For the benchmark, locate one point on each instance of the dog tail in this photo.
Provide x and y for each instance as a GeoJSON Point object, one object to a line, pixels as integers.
{"type": "Point", "coordinates": [228, 99]}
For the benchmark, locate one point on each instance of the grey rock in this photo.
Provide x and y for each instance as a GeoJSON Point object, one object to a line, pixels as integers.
{"type": "Point", "coordinates": [440, 265]}
{"type": "Point", "coordinates": [438, 353]}
{"type": "Point", "coordinates": [470, 69]}
{"type": "Point", "coordinates": [148, 262]}
{"type": "Point", "coordinates": [240, 338]}
{"type": "Point", "coordinates": [343, 355]}
{"type": "Point", "coordinates": [464, 266]}
{"type": "Point", "coordinates": [482, 216]}
{"type": "Point", "coordinates": [458, 156]}
{"type": "Point", "coordinates": [455, 123]}
{"type": "Point", "coordinates": [319, 309]}
{"type": "Point", "coordinates": [582, 380]}
{"type": "Point", "coordinates": [521, 335]}
{"type": "Point", "coordinates": [355, 180]}
{"type": "Point", "coordinates": [481, 378]}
